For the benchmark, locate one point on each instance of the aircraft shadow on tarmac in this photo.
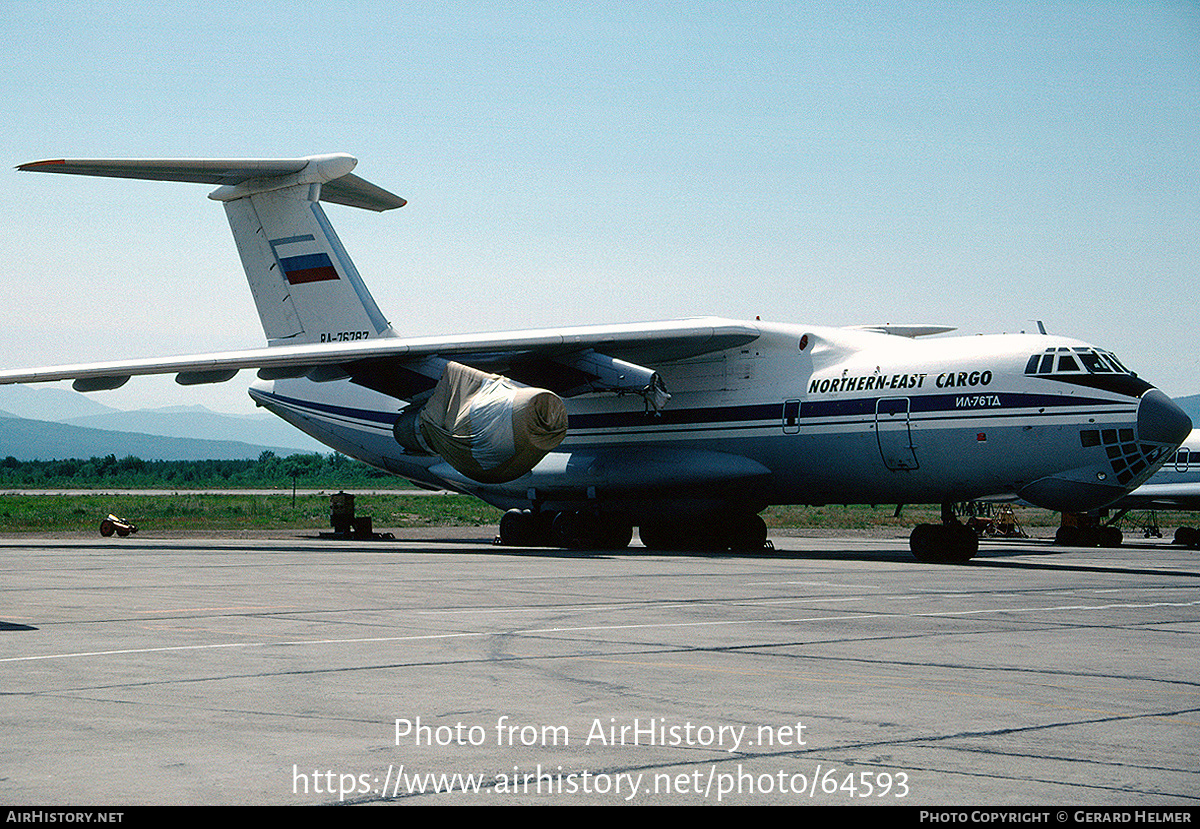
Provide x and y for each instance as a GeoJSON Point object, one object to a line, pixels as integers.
{"type": "Point", "coordinates": [5, 626]}
{"type": "Point", "coordinates": [992, 553]}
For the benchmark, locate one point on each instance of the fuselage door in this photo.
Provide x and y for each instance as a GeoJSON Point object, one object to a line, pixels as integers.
{"type": "Point", "coordinates": [894, 432]}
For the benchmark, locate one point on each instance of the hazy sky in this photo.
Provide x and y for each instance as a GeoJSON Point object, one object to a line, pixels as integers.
{"type": "Point", "coordinates": [981, 165]}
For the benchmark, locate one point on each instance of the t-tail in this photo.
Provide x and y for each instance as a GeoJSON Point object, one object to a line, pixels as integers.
{"type": "Point", "coordinates": [305, 287]}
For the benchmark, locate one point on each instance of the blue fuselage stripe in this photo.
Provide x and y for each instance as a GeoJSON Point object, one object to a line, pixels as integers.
{"type": "Point", "coordinates": [812, 412]}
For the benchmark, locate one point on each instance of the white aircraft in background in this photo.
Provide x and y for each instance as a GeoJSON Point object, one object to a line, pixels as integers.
{"type": "Point", "coordinates": [684, 429]}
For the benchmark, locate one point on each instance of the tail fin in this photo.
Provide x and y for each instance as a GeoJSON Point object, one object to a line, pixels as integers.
{"type": "Point", "coordinates": [305, 286]}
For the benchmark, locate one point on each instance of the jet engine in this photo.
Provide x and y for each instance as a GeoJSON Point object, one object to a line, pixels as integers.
{"type": "Point", "coordinates": [484, 425]}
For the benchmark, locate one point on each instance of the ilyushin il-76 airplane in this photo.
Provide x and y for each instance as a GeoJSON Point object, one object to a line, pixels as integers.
{"type": "Point", "coordinates": [686, 430]}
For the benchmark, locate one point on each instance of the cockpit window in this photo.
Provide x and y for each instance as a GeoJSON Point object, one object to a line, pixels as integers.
{"type": "Point", "coordinates": [1077, 360]}
{"type": "Point", "coordinates": [1093, 361]}
{"type": "Point", "coordinates": [1116, 364]}
{"type": "Point", "coordinates": [1067, 363]}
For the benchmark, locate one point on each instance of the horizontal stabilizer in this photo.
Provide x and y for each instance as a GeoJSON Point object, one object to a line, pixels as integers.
{"type": "Point", "coordinates": [239, 176]}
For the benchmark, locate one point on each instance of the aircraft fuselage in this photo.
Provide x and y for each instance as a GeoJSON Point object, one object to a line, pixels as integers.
{"type": "Point", "coordinates": [809, 415]}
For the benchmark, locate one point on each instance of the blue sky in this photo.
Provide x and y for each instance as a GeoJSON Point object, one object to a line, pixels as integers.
{"type": "Point", "coordinates": [981, 165]}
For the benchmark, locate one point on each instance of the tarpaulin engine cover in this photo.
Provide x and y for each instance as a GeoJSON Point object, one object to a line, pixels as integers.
{"type": "Point", "coordinates": [489, 429]}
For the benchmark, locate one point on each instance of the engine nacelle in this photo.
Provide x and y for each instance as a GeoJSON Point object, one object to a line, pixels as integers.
{"type": "Point", "coordinates": [485, 426]}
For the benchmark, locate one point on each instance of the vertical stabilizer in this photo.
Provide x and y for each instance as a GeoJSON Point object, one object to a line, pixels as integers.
{"type": "Point", "coordinates": [304, 284]}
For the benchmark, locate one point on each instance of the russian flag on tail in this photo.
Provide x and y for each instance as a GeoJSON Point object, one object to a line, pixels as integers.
{"type": "Point", "coordinates": [311, 267]}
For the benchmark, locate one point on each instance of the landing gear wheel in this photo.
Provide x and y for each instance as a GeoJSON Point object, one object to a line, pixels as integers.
{"type": "Point", "coordinates": [516, 528]}
{"type": "Point", "coordinates": [524, 528]}
{"type": "Point", "coordinates": [748, 533]}
{"type": "Point", "coordinates": [1068, 536]}
{"type": "Point", "coordinates": [741, 532]}
{"type": "Point", "coordinates": [964, 544]}
{"type": "Point", "coordinates": [586, 531]}
{"type": "Point", "coordinates": [924, 543]}
{"type": "Point", "coordinates": [568, 530]}
{"type": "Point", "coordinates": [615, 534]}
{"type": "Point", "coordinates": [943, 543]}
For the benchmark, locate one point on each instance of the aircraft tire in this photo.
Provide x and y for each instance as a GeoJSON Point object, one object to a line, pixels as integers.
{"type": "Point", "coordinates": [1111, 537]}
{"type": "Point", "coordinates": [715, 532]}
{"type": "Point", "coordinates": [962, 543]}
{"type": "Point", "coordinates": [748, 533]}
{"type": "Point", "coordinates": [585, 531]}
{"type": "Point", "coordinates": [923, 543]}
{"type": "Point", "coordinates": [516, 528]}
{"type": "Point", "coordinates": [1068, 536]}
{"type": "Point", "coordinates": [943, 543]}
{"type": "Point", "coordinates": [672, 535]}
{"type": "Point", "coordinates": [569, 530]}
{"type": "Point", "coordinates": [1186, 536]}
{"type": "Point", "coordinates": [615, 534]}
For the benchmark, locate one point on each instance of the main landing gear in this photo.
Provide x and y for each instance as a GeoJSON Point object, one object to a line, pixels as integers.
{"type": "Point", "coordinates": [741, 532]}
{"type": "Point", "coordinates": [947, 543]}
{"type": "Point", "coordinates": [582, 530]}
{"type": "Point", "coordinates": [1086, 530]}
{"type": "Point", "coordinates": [573, 530]}
{"type": "Point", "coordinates": [1187, 537]}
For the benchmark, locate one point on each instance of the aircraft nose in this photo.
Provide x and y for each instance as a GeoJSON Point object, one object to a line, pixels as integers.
{"type": "Point", "coordinates": [1160, 420]}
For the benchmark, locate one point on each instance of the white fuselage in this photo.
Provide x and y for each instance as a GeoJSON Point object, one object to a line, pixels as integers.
{"type": "Point", "coordinates": [800, 415]}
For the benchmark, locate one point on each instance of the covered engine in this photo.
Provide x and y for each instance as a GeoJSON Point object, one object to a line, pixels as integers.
{"type": "Point", "coordinates": [484, 425]}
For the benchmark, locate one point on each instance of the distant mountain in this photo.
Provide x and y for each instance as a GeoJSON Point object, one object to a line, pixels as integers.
{"type": "Point", "coordinates": [26, 440]}
{"type": "Point", "coordinates": [197, 421]}
{"type": "Point", "coordinates": [59, 405]}
{"type": "Point", "coordinates": [48, 403]}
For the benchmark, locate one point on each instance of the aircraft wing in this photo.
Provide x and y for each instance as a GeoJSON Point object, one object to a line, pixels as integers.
{"type": "Point", "coordinates": [547, 357]}
{"type": "Point", "coordinates": [1178, 496]}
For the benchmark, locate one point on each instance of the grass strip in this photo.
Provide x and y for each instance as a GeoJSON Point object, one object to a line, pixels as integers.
{"type": "Point", "coordinates": [171, 511]}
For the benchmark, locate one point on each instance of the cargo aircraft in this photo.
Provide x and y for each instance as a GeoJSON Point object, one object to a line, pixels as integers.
{"type": "Point", "coordinates": [686, 429]}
